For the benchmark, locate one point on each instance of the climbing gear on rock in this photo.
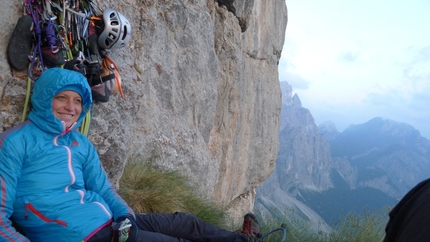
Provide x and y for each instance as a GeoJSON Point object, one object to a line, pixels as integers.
{"type": "Point", "coordinates": [73, 35]}
{"type": "Point", "coordinates": [116, 31]}
{"type": "Point", "coordinates": [108, 63]}
{"type": "Point", "coordinates": [19, 46]}
{"type": "Point", "coordinates": [103, 78]}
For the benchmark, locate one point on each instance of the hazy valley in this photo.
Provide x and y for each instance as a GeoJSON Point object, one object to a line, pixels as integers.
{"type": "Point", "coordinates": [322, 174]}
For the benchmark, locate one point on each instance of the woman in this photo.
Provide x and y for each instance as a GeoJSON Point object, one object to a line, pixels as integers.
{"type": "Point", "coordinates": [53, 185]}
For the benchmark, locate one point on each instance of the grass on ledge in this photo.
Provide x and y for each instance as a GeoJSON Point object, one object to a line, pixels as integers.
{"type": "Point", "coordinates": [152, 190]}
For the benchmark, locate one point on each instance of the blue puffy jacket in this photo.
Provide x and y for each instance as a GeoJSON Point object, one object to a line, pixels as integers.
{"type": "Point", "coordinates": [52, 183]}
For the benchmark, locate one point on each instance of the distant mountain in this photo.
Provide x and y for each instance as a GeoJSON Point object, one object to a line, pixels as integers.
{"type": "Point", "coordinates": [389, 156]}
{"type": "Point", "coordinates": [341, 200]}
{"type": "Point", "coordinates": [378, 132]}
{"type": "Point", "coordinates": [304, 154]}
{"type": "Point", "coordinates": [322, 173]}
{"type": "Point", "coordinates": [303, 163]}
{"type": "Point", "coordinates": [329, 130]}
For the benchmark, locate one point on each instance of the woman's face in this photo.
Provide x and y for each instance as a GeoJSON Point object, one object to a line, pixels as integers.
{"type": "Point", "coordinates": [67, 106]}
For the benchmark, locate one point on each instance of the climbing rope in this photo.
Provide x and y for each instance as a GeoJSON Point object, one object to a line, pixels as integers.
{"type": "Point", "coordinates": [36, 59]}
{"type": "Point", "coordinates": [273, 231]}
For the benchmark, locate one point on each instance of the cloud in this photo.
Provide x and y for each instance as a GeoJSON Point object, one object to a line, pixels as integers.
{"type": "Point", "coordinates": [348, 56]}
{"type": "Point", "coordinates": [417, 65]}
{"type": "Point", "coordinates": [403, 105]}
{"type": "Point", "coordinates": [346, 69]}
{"type": "Point", "coordinates": [295, 80]}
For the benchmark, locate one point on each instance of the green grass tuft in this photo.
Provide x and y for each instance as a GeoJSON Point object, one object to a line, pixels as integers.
{"type": "Point", "coordinates": [152, 190]}
{"type": "Point", "coordinates": [368, 227]}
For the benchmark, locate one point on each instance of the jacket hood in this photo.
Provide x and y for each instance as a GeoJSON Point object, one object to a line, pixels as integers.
{"type": "Point", "coordinates": [51, 82]}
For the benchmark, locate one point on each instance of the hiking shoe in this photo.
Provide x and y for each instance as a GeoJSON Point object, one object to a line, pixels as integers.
{"type": "Point", "coordinates": [251, 227]}
{"type": "Point", "coordinates": [19, 46]}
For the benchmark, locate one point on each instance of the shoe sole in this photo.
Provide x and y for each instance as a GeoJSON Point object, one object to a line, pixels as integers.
{"type": "Point", "coordinates": [19, 46]}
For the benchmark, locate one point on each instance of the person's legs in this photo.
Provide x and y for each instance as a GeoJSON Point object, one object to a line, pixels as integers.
{"type": "Point", "coordinates": [146, 236]}
{"type": "Point", "coordinates": [103, 235]}
{"type": "Point", "coordinates": [182, 225]}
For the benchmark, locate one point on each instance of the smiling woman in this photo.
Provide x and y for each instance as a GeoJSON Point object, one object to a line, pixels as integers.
{"type": "Point", "coordinates": [67, 106]}
{"type": "Point", "coordinates": [54, 188]}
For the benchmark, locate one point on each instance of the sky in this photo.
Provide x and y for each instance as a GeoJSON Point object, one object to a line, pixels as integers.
{"type": "Point", "coordinates": [350, 61]}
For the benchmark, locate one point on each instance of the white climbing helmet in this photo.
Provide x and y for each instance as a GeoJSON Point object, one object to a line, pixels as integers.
{"type": "Point", "coordinates": [116, 32]}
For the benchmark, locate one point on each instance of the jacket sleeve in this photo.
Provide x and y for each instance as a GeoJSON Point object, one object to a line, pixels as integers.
{"type": "Point", "coordinates": [96, 180]}
{"type": "Point", "coordinates": [10, 167]}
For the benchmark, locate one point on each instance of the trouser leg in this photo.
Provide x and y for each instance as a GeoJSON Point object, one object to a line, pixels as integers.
{"type": "Point", "coordinates": [181, 225]}
{"type": "Point", "coordinates": [147, 236]}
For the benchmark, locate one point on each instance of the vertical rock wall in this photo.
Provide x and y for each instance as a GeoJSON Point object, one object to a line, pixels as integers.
{"type": "Point", "coordinates": [201, 92]}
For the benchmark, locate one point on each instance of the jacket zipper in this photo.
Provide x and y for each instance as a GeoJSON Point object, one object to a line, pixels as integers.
{"type": "Point", "coordinates": [30, 207]}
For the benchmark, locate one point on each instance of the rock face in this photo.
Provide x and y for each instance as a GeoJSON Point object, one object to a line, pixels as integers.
{"type": "Point", "coordinates": [304, 159]}
{"type": "Point", "coordinates": [329, 130]}
{"type": "Point", "coordinates": [304, 163]}
{"type": "Point", "coordinates": [201, 92]}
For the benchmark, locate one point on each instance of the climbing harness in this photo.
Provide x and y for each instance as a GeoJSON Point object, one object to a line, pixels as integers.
{"type": "Point", "coordinates": [73, 34]}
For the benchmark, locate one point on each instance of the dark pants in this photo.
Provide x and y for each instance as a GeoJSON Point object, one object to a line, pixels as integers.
{"type": "Point", "coordinates": [181, 227]}
{"type": "Point", "coordinates": [177, 227]}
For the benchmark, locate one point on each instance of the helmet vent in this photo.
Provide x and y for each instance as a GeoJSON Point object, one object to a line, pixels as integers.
{"type": "Point", "coordinates": [107, 42]}
{"type": "Point", "coordinates": [125, 33]}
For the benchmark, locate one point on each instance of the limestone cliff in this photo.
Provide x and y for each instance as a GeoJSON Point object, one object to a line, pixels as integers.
{"type": "Point", "coordinates": [201, 92]}
{"type": "Point", "coordinates": [303, 164]}
{"type": "Point", "coordinates": [304, 160]}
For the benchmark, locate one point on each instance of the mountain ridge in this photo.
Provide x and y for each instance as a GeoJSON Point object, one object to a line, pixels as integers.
{"type": "Point", "coordinates": [368, 166]}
